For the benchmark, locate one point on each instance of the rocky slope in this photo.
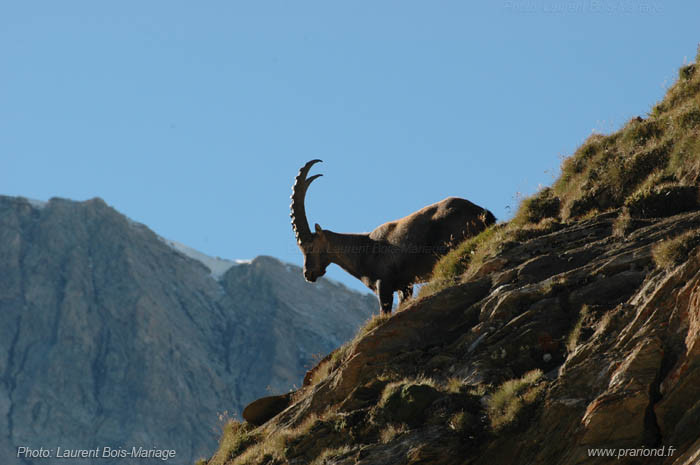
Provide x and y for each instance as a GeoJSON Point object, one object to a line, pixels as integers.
{"type": "Point", "coordinates": [112, 338]}
{"type": "Point", "coordinates": [630, 380]}
{"type": "Point", "coordinates": [570, 335]}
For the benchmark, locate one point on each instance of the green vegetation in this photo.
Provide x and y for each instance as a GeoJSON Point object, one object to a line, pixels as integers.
{"type": "Point", "coordinates": [456, 262]}
{"type": "Point", "coordinates": [274, 446]}
{"type": "Point", "coordinates": [510, 397]}
{"type": "Point", "coordinates": [673, 252]}
{"type": "Point", "coordinates": [536, 208]}
{"type": "Point", "coordinates": [452, 265]}
{"type": "Point", "coordinates": [398, 407]}
{"type": "Point", "coordinates": [612, 171]}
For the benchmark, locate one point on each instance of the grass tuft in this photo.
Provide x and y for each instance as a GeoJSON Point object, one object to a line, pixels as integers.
{"type": "Point", "coordinates": [534, 209]}
{"type": "Point", "coordinates": [322, 371]}
{"type": "Point", "coordinates": [575, 334]}
{"type": "Point", "coordinates": [392, 431]}
{"type": "Point", "coordinates": [391, 388]}
{"type": "Point", "coordinates": [511, 396]}
{"type": "Point", "coordinates": [374, 322]}
{"type": "Point", "coordinates": [450, 267]}
{"type": "Point", "coordinates": [456, 261]}
{"type": "Point", "coordinates": [673, 252]}
{"type": "Point", "coordinates": [236, 437]}
{"type": "Point", "coordinates": [454, 385]}
{"type": "Point", "coordinates": [608, 171]}
{"type": "Point", "coordinates": [276, 445]}
{"type": "Point", "coordinates": [623, 224]}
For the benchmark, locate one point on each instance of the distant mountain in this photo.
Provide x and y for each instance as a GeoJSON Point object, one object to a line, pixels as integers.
{"type": "Point", "coordinates": [114, 337]}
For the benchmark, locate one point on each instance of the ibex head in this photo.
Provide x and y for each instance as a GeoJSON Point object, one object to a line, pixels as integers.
{"type": "Point", "coordinates": [313, 245]}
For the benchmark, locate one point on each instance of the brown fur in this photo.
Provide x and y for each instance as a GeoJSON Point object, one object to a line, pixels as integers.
{"type": "Point", "coordinates": [395, 255]}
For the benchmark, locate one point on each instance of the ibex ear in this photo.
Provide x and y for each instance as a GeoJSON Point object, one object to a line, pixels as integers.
{"type": "Point", "coordinates": [318, 229]}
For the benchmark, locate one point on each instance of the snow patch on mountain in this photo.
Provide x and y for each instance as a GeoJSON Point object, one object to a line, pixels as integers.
{"type": "Point", "coordinates": [40, 204]}
{"type": "Point", "coordinates": [217, 265]}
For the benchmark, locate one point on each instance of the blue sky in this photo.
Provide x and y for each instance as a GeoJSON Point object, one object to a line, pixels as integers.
{"type": "Point", "coordinates": [194, 117]}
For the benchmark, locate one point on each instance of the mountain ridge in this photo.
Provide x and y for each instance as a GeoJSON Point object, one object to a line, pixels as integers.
{"type": "Point", "coordinates": [110, 333]}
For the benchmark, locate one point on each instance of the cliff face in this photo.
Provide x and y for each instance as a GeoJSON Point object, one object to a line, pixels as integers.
{"type": "Point", "coordinates": [112, 338]}
{"type": "Point", "coordinates": [569, 335]}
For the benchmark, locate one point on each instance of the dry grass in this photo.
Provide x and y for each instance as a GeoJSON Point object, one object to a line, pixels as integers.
{"type": "Point", "coordinates": [673, 252]}
{"type": "Point", "coordinates": [456, 261]}
{"type": "Point", "coordinates": [389, 433]}
{"type": "Point", "coordinates": [322, 371]}
{"type": "Point", "coordinates": [235, 438]}
{"type": "Point", "coordinates": [538, 207]}
{"type": "Point", "coordinates": [274, 444]}
{"type": "Point", "coordinates": [454, 385]}
{"type": "Point", "coordinates": [374, 322]}
{"type": "Point", "coordinates": [607, 169]}
{"type": "Point", "coordinates": [510, 397]}
{"type": "Point", "coordinates": [450, 267]}
{"type": "Point", "coordinates": [622, 224]}
{"type": "Point", "coordinates": [527, 231]}
{"type": "Point", "coordinates": [392, 387]}
{"type": "Point", "coordinates": [575, 334]}
{"type": "Point", "coordinates": [479, 390]}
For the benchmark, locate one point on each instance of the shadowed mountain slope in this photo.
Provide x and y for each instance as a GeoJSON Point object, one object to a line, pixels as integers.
{"type": "Point", "coordinates": [113, 338]}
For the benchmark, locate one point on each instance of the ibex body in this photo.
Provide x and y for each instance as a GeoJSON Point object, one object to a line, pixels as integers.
{"type": "Point", "coordinates": [394, 256]}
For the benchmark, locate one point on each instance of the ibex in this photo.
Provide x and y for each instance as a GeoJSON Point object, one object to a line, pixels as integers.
{"type": "Point", "coordinates": [394, 256]}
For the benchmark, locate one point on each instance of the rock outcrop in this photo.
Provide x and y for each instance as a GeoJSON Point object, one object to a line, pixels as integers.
{"type": "Point", "coordinates": [113, 338]}
{"type": "Point", "coordinates": [629, 380]}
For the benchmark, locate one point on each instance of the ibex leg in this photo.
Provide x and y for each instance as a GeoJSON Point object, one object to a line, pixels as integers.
{"type": "Point", "coordinates": [386, 296]}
